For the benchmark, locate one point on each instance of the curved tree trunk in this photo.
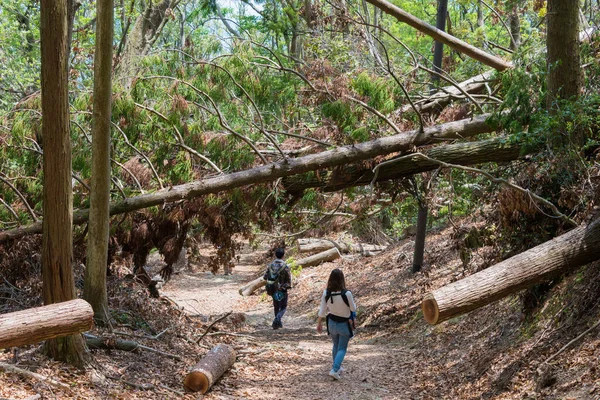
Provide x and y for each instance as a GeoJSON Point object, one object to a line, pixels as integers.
{"type": "Point", "coordinates": [144, 33]}
{"type": "Point", "coordinates": [97, 249]}
{"type": "Point", "coordinates": [566, 252]}
{"type": "Point", "coordinates": [57, 247]}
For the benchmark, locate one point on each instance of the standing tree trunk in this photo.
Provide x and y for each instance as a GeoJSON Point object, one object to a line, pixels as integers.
{"type": "Point", "coordinates": [515, 28]}
{"type": "Point", "coordinates": [420, 237]}
{"type": "Point", "coordinates": [438, 52]}
{"type": "Point", "coordinates": [562, 43]}
{"type": "Point", "coordinates": [97, 250]}
{"type": "Point", "coordinates": [146, 29]}
{"type": "Point", "coordinates": [57, 244]}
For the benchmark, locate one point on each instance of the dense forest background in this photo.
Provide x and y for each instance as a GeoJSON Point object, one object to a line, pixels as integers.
{"type": "Point", "coordinates": [188, 123]}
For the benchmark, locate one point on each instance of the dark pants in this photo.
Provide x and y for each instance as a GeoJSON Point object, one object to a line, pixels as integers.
{"type": "Point", "coordinates": [280, 306]}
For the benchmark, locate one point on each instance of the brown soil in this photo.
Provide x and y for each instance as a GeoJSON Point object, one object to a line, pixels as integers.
{"type": "Point", "coordinates": [494, 352]}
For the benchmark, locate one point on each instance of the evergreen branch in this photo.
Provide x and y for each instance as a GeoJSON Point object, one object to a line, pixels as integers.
{"type": "Point", "coordinates": [23, 199]}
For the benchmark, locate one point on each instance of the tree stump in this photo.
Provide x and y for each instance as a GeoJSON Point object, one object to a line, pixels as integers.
{"type": "Point", "coordinates": [209, 369]}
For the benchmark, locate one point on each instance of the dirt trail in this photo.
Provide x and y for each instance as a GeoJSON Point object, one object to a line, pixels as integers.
{"type": "Point", "coordinates": [292, 362]}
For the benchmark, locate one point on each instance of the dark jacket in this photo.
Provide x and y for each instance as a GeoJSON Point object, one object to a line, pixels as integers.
{"type": "Point", "coordinates": [285, 276]}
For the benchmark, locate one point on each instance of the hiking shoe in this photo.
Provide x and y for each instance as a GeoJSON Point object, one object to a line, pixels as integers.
{"type": "Point", "coordinates": [342, 369]}
{"type": "Point", "coordinates": [276, 324]}
{"type": "Point", "coordinates": [334, 375]}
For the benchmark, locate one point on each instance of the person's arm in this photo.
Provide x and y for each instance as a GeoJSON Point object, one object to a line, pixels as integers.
{"type": "Point", "coordinates": [352, 309]}
{"type": "Point", "coordinates": [322, 313]}
{"type": "Point", "coordinates": [287, 284]}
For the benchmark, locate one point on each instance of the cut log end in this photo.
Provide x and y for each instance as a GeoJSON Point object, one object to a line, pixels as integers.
{"type": "Point", "coordinates": [196, 381]}
{"type": "Point", "coordinates": [430, 308]}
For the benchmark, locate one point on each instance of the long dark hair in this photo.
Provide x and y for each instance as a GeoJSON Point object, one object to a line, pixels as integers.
{"type": "Point", "coordinates": [336, 282]}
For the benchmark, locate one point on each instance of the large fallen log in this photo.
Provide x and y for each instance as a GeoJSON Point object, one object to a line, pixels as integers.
{"type": "Point", "coordinates": [312, 245]}
{"type": "Point", "coordinates": [319, 258]}
{"type": "Point", "coordinates": [270, 172]}
{"type": "Point", "coordinates": [468, 153]}
{"type": "Point", "coordinates": [47, 322]}
{"type": "Point", "coordinates": [209, 369]}
{"type": "Point", "coordinates": [566, 252]}
{"type": "Point", "coordinates": [441, 36]}
{"type": "Point", "coordinates": [252, 286]}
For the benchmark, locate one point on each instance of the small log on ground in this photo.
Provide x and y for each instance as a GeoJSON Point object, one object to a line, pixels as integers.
{"type": "Point", "coordinates": [23, 372]}
{"type": "Point", "coordinates": [47, 322]}
{"type": "Point", "coordinates": [209, 369]}
{"type": "Point", "coordinates": [252, 286]}
{"type": "Point", "coordinates": [309, 245]}
{"type": "Point", "coordinates": [319, 258]}
{"type": "Point", "coordinates": [566, 252]}
{"type": "Point", "coordinates": [95, 342]}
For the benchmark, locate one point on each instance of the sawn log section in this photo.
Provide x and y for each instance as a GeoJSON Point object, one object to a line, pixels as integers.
{"type": "Point", "coordinates": [47, 322]}
{"type": "Point", "coordinates": [566, 252]}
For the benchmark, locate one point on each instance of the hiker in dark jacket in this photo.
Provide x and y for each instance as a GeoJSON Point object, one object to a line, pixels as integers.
{"type": "Point", "coordinates": [279, 280]}
{"type": "Point", "coordinates": [338, 307]}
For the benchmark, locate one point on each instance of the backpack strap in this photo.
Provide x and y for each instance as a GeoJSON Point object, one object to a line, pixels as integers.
{"type": "Point", "coordinates": [329, 295]}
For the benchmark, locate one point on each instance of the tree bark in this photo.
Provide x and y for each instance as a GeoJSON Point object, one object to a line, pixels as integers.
{"type": "Point", "coordinates": [57, 247]}
{"type": "Point", "coordinates": [311, 245]}
{"type": "Point", "coordinates": [319, 258]}
{"type": "Point", "coordinates": [563, 253]}
{"type": "Point", "coordinates": [252, 286]}
{"type": "Point", "coordinates": [420, 238]}
{"type": "Point", "coordinates": [470, 153]}
{"type": "Point", "coordinates": [339, 156]}
{"type": "Point", "coordinates": [563, 61]}
{"type": "Point", "coordinates": [210, 368]}
{"type": "Point", "coordinates": [445, 95]}
{"type": "Point", "coordinates": [441, 36]}
{"type": "Point", "coordinates": [94, 290]}
{"type": "Point", "coordinates": [438, 51]}
{"type": "Point", "coordinates": [145, 30]}
{"type": "Point", "coordinates": [41, 323]}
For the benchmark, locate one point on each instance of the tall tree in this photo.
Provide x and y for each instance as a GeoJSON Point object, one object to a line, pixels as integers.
{"type": "Point", "coordinates": [562, 43]}
{"type": "Point", "coordinates": [97, 249]}
{"type": "Point", "coordinates": [438, 51]}
{"type": "Point", "coordinates": [57, 245]}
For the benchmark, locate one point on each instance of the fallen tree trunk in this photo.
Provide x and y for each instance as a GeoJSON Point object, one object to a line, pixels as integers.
{"type": "Point", "coordinates": [445, 95]}
{"type": "Point", "coordinates": [319, 258]}
{"type": "Point", "coordinates": [209, 369]}
{"type": "Point", "coordinates": [469, 153]}
{"type": "Point", "coordinates": [311, 245]}
{"type": "Point", "coordinates": [441, 36]}
{"type": "Point", "coordinates": [97, 342]}
{"type": "Point", "coordinates": [252, 286]}
{"type": "Point", "coordinates": [566, 252]}
{"type": "Point", "coordinates": [270, 172]}
{"type": "Point", "coordinates": [23, 372]}
{"type": "Point", "coordinates": [47, 322]}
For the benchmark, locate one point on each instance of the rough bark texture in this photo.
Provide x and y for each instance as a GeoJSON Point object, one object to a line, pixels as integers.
{"type": "Point", "coordinates": [562, 44]}
{"type": "Point", "coordinates": [566, 252]}
{"type": "Point", "coordinates": [252, 286]}
{"type": "Point", "coordinates": [144, 32]}
{"type": "Point", "coordinates": [97, 250]}
{"type": "Point", "coordinates": [312, 245]}
{"type": "Point", "coordinates": [41, 323]}
{"type": "Point", "coordinates": [339, 156]}
{"type": "Point", "coordinates": [441, 36]}
{"type": "Point", "coordinates": [319, 258]}
{"type": "Point", "coordinates": [210, 368]}
{"type": "Point", "coordinates": [57, 249]}
{"type": "Point", "coordinates": [493, 150]}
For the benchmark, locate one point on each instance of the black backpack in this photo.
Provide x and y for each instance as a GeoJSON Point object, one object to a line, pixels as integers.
{"type": "Point", "coordinates": [273, 284]}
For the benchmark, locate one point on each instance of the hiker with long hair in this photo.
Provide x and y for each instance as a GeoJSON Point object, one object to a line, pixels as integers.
{"type": "Point", "coordinates": [339, 310]}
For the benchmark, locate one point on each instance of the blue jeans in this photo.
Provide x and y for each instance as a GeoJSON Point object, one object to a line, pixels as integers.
{"type": "Point", "coordinates": [279, 307]}
{"type": "Point", "coordinates": [340, 335]}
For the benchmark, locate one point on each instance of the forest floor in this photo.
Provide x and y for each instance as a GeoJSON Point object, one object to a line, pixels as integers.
{"type": "Point", "coordinates": [494, 352]}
